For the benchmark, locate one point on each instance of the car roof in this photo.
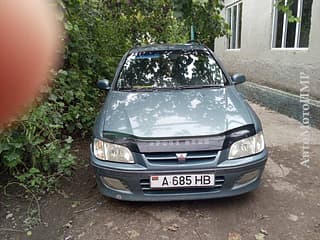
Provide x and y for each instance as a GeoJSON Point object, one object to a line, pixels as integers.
{"type": "Point", "coordinates": [165, 47]}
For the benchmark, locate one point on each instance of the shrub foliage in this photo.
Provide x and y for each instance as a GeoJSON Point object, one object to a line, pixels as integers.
{"type": "Point", "coordinates": [36, 149]}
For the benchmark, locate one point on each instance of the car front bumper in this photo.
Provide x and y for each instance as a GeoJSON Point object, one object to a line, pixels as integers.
{"type": "Point", "coordinates": [136, 179]}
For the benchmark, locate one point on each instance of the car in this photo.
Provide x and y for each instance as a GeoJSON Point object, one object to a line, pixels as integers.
{"type": "Point", "coordinates": [174, 127]}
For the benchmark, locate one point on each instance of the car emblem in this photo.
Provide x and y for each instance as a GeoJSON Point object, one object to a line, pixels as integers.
{"type": "Point", "coordinates": [181, 157]}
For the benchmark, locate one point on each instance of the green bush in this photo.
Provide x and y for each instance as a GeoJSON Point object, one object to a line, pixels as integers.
{"type": "Point", "coordinates": [36, 149]}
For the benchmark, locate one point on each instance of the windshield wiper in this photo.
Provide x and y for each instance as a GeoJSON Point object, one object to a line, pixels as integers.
{"type": "Point", "coordinates": [199, 86]}
{"type": "Point", "coordinates": [147, 89]}
{"type": "Point", "coordinates": [136, 89]}
{"type": "Point", "coordinates": [165, 88]}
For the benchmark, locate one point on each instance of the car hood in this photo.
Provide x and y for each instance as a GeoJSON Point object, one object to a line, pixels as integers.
{"type": "Point", "coordinates": [176, 113]}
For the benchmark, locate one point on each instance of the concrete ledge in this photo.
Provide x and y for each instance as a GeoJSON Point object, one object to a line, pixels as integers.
{"type": "Point", "coordinates": [282, 102]}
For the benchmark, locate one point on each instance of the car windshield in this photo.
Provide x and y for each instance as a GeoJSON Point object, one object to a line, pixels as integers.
{"type": "Point", "coordinates": [169, 69]}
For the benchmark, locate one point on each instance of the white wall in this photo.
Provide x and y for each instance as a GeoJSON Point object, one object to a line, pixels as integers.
{"type": "Point", "coordinates": [278, 68]}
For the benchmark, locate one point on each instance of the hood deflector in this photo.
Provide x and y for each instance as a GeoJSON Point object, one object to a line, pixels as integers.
{"type": "Point", "coordinates": [180, 144]}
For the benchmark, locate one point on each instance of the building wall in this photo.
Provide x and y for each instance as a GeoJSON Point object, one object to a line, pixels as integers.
{"type": "Point", "coordinates": [277, 68]}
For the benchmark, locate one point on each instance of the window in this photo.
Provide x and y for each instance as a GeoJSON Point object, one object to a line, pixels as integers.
{"type": "Point", "coordinates": [292, 34]}
{"type": "Point", "coordinates": [148, 70]}
{"type": "Point", "coordinates": [234, 19]}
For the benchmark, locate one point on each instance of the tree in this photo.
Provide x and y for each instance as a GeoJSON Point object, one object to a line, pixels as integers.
{"type": "Point", "coordinates": [205, 16]}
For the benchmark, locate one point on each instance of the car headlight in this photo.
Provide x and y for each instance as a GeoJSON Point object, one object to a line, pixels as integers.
{"type": "Point", "coordinates": [111, 152]}
{"type": "Point", "coordinates": [248, 146]}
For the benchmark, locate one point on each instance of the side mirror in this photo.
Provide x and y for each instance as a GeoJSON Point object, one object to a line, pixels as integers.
{"type": "Point", "coordinates": [103, 84]}
{"type": "Point", "coordinates": [238, 78]}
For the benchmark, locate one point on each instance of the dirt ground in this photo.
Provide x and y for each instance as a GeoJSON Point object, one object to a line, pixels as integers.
{"type": "Point", "coordinates": [286, 206]}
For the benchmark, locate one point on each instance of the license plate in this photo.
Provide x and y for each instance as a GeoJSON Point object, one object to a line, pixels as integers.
{"type": "Point", "coordinates": [182, 181]}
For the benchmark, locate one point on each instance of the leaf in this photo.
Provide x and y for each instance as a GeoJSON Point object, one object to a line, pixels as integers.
{"type": "Point", "coordinates": [29, 233]}
{"type": "Point", "coordinates": [69, 140]}
{"type": "Point", "coordinates": [132, 234]}
{"type": "Point", "coordinates": [259, 236]}
{"type": "Point", "coordinates": [234, 236]}
{"type": "Point", "coordinates": [263, 231]}
{"type": "Point", "coordinates": [34, 171]}
{"type": "Point", "coordinates": [12, 159]}
{"type": "Point", "coordinates": [53, 97]}
{"type": "Point", "coordinates": [68, 26]}
{"type": "Point", "coordinates": [4, 147]}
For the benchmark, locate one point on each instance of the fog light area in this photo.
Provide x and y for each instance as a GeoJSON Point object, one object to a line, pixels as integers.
{"type": "Point", "coordinates": [247, 178]}
{"type": "Point", "coordinates": [115, 184]}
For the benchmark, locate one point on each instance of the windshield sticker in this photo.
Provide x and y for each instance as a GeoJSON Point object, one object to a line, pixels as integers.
{"type": "Point", "coordinates": [147, 56]}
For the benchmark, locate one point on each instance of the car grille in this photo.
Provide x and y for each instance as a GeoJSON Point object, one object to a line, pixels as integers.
{"type": "Point", "coordinates": [145, 187]}
{"type": "Point", "coordinates": [171, 158]}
